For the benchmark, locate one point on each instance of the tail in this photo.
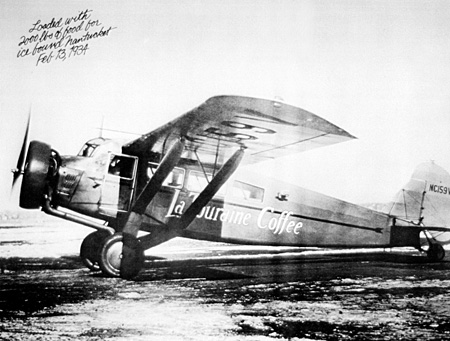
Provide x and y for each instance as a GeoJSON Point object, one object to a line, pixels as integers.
{"type": "Point", "coordinates": [425, 200]}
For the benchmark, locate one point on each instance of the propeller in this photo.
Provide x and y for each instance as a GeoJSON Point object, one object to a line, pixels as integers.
{"type": "Point", "coordinates": [18, 171]}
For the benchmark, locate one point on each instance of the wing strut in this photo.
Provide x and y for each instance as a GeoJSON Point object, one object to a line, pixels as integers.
{"type": "Point", "coordinates": [167, 164]}
{"type": "Point", "coordinates": [204, 197]}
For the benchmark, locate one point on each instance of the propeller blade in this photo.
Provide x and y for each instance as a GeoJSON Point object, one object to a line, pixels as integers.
{"type": "Point", "coordinates": [16, 175]}
{"type": "Point", "coordinates": [23, 151]}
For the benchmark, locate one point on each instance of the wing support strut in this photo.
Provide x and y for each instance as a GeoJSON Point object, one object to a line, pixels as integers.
{"type": "Point", "coordinates": [178, 225]}
{"type": "Point", "coordinates": [167, 164]}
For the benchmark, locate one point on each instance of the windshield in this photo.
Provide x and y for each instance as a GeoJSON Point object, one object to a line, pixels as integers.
{"type": "Point", "coordinates": [90, 146]}
{"type": "Point", "coordinates": [87, 150]}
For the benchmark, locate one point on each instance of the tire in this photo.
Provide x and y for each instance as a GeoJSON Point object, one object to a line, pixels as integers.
{"type": "Point", "coordinates": [436, 252]}
{"type": "Point", "coordinates": [34, 180]}
{"type": "Point", "coordinates": [90, 249]}
{"type": "Point", "coordinates": [121, 256]}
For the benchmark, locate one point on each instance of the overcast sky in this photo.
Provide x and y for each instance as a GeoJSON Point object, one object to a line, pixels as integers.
{"type": "Point", "coordinates": [378, 69]}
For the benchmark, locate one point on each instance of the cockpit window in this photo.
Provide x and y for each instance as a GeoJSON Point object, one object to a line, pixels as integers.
{"type": "Point", "coordinates": [90, 146]}
{"type": "Point", "coordinates": [87, 150]}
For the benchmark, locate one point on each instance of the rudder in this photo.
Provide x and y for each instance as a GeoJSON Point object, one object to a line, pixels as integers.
{"type": "Point", "coordinates": [425, 199]}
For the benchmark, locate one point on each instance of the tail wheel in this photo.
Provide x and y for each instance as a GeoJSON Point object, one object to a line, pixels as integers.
{"type": "Point", "coordinates": [90, 249]}
{"type": "Point", "coordinates": [436, 252]}
{"type": "Point", "coordinates": [35, 175]}
{"type": "Point", "coordinates": [121, 256]}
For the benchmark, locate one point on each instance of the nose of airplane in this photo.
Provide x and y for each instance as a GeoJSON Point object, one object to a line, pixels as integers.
{"type": "Point", "coordinates": [36, 174]}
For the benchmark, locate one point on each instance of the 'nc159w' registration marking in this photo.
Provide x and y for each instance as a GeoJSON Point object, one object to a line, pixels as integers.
{"type": "Point", "coordinates": [439, 189]}
{"type": "Point", "coordinates": [267, 218]}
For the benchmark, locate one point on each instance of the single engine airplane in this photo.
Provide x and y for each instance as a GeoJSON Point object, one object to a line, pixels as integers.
{"type": "Point", "coordinates": [182, 179]}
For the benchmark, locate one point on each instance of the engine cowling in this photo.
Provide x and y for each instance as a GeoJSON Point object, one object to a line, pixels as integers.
{"type": "Point", "coordinates": [39, 167]}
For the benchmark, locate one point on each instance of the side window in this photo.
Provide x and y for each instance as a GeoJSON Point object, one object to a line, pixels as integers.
{"type": "Point", "coordinates": [197, 182]}
{"type": "Point", "coordinates": [122, 166]}
{"type": "Point", "coordinates": [242, 190]}
{"type": "Point", "coordinates": [175, 179]}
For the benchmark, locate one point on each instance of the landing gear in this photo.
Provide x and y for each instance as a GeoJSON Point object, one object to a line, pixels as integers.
{"type": "Point", "coordinates": [436, 252]}
{"type": "Point", "coordinates": [121, 255]}
{"type": "Point", "coordinates": [90, 249]}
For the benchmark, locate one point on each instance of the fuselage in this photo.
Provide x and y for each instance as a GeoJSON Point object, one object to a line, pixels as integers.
{"type": "Point", "coordinates": [250, 208]}
{"type": "Point", "coordinates": [254, 209]}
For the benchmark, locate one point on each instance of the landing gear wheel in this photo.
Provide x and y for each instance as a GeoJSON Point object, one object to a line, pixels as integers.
{"type": "Point", "coordinates": [90, 249]}
{"type": "Point", "coordinates": [35, 175]}
{"type": "Point", "coordinates": [436, 252]}
{"type": "Point", "coordinates": [121, 255]}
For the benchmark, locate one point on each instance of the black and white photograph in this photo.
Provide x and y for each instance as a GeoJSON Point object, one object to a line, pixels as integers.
{"type": "Point", "coordinates": [225, 170]}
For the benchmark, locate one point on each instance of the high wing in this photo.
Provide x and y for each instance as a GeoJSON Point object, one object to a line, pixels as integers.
{"type": "Point", "coordinates": [265, 128]}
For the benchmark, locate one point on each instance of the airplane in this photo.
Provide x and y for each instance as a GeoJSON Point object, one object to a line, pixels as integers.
{"type": "Point", "coordinates": [185, 179]}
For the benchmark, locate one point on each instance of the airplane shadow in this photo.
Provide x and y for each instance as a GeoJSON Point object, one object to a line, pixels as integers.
{"type": "Point", "coordinates": [156, 268]}
{"type": "Point", "coordinates": [14, 264]}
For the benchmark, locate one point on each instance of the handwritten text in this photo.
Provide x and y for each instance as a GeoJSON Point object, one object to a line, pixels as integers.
{"type": "Point", "coordinates": [61, 38]}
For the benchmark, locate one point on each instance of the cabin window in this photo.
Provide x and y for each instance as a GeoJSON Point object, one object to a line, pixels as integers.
{"type": "Point", "coordinates": [197, 182]}
{"type": "Point", "coordinates": [122, 166]}
{"type": "Point", "coordinates": [245, 191]}
{"type": "Point", "coordinates": [175, 179]}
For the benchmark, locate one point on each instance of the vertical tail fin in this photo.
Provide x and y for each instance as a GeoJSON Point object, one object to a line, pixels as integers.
{"type": "Point", "coordinates": [425, 199]}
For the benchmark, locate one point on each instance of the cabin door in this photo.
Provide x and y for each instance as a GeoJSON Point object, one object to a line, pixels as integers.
{"type": "Point", "coordinates": [118, 185]}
